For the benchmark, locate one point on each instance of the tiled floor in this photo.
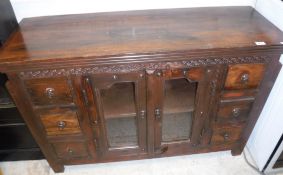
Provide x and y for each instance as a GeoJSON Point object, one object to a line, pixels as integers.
{"type": "Point", "coordinates": [220, 163]}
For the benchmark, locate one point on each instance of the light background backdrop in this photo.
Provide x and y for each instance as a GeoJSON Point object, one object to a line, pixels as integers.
{"type": "Point", "coordinates": [30, 8]}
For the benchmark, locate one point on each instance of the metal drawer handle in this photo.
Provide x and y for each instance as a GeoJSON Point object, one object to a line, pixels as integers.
{"type": "Point", "coordinates": [245, 78]}
{"type": "Point", "coordinates": [84, 91]}
{"type": "Point", "coordinates": [226, 137]}
{"type": "Point", "coordinates": [61, 125]}
{"type": "Point", "coordinates": [142, 113]}
{"type": "Point", "coordinates": [85, 97]}
{"type": "Point", "coordinates": [159, 73]}
{"type": "Point", "coordinates": [115, 77]}
{"type": "Point", "coordinates": [50, 92]}
{"type": "Point", "coordinates": [236, 112]}
{"type": "Point", "coordinates": [157, 113]}
{"type": "Point", "coordinates": [95, 143]}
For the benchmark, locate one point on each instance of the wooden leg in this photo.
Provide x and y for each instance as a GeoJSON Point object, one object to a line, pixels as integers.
{"type": "Point", "coordinates": [237, 149]}
{"type": "Point", "coordinates": [57, 167]}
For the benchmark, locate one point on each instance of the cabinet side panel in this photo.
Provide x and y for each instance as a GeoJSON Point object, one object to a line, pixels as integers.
{"type": "Point", "coordinates": [266, 85]}
{"type": "Point", "coordinates": [16, 89]}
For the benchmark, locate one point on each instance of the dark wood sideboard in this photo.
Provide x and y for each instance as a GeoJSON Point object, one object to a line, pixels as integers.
{"type": "Point", "coordinates": [142, 84]}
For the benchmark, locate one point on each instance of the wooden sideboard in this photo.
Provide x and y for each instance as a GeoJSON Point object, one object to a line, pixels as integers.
{"type": "Point", "coordinates": [132, 85]}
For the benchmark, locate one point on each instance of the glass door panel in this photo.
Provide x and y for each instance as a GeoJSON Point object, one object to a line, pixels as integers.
{"type": "Point", "coordinates": [119, 109]}
{"type": "Point", "coordinates": [179, 103]}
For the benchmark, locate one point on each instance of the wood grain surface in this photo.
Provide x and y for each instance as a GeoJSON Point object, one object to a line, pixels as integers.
{"type": "Point", "coordinates": [116, 33]}
{"type": "Point", "coordinates": [94, 63]}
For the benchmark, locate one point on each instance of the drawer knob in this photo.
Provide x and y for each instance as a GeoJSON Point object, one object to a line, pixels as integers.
{"type": "Point", "coordinates": [50, 92]}
{"type": "Point", "coordinates": [61, 125]}
{"type": "Point", "coordinates": [70, 151]}
{"type": "Point", "coordinates": [226, 137]}
{"type": "Point", "coordinates": [236, 112]}
{"type": "Point", "coordinates": [115, 77]}
{"type": "Point", "coordinates": [245, 78]}
{"type": "Point", "coordinates": [159, 73]}
{"type": "Point", "coordinates": [87, 80]}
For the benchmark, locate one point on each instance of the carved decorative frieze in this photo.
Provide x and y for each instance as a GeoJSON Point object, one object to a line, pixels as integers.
{"type": "Point", "coordinates": [132, 67]}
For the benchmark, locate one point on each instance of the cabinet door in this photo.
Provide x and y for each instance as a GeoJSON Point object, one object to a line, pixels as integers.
{"type": "Point", "coordinates": [179, 104]}
{"type": "Point", "coordinates": [118, 112]}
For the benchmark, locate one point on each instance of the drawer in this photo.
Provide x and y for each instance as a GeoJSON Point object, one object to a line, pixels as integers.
{"type": "Point", "coordinates": [226, 134]}
{"type": "Point", "coordinates": [60, 121]}
{"type": "Point", "coordinates": [49, 91]}
{"type": "Point", "coordinates": [234, 111]}
{"type": "Point", "coordinates": [244, 76]}
{"type": "Point", "coordinates": [69, 150]}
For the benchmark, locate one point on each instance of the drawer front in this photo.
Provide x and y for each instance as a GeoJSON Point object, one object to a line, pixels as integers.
{"type": "Point", "coordinates": [60, 122]}
{"type": "Point", "coordinates": [234, 111]}
{"type": "Point", "coordinates": [226, 134]}
{"type": "Point", "coordinates": [244, 76]}
{"type": "Point", "coordinates": [49, 91]}
{"type": "Point", "coordinates": [236, 94]}
{"type": "Point", "coordinates": [70, 150]}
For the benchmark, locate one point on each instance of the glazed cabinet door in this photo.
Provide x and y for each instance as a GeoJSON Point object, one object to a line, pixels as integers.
{"type": "Point", "coordinates": [180, 102]}
{"type": "Point", "coordinates": [117, 109]}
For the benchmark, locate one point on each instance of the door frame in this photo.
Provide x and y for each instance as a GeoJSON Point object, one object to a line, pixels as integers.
{"type": "Point", "coordinates": [97, 82]}
{"type": "Point", "coordinates": [208, 78]}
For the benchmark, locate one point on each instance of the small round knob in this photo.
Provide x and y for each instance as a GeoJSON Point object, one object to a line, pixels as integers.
{"type": "Point", "coordinates": [115, 77]}
{"type": "Point", "coordinates": [159, 73]}
{"type": "Point", "coordinates": [245, 78]}
{"type": "Point", "coordinates": [87, 80]}
{"type": "Point", "coordinates": [236, 112]}
{"type": "Point", "coordinates": [70, 151]}
{"type": "Point", "coordinates": [50, 92]}
{"type": "Point", "coordinates": [95, 122]}
{"type": "Point", "coordinates": [226, 137]}
{"type": "Point", "coordinates": [61, 125]}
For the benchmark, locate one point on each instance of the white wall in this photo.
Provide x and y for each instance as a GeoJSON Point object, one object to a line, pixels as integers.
{"type": "Point", "coordinates": [32, 8]}
{"type": "Point", "coordinates": [269, 127]}
{"type": "Point", "coordinates": [272, 10]}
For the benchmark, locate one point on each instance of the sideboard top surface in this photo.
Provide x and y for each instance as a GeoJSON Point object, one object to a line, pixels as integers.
{"type": "Point", "coordinates": [136, 32]}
